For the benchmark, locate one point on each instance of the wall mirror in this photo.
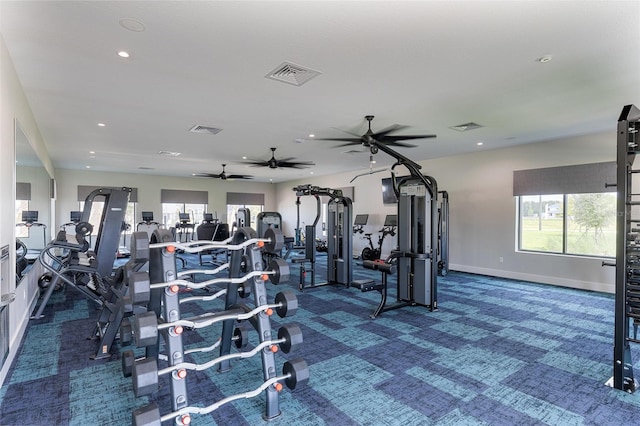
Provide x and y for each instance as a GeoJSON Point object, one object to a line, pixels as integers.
{"type": "Point", "coordinates": [33, 204]}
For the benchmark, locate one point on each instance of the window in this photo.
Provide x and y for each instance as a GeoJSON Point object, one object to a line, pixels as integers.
{"type": "Point", "coordinates": [567, 209]}
{"type": "Point", "coordinates": [21, 231]}
{"type": "Point", "coordinates": [238, 200]}
{"type": "Point", "coordinates": [171, 212]}
{"type": "Point", "coordinates": [97, 207]}
{"type": "Point", "coordinates": [254, 209]}
{"type": "Point", "coordinates": [577, 224]}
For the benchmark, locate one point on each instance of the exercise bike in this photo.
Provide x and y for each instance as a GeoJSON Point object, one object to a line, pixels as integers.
{"type": "Point", "coordinates": [389, 228]}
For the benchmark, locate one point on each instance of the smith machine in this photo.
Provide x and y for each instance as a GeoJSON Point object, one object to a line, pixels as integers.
{"type": "Point", "coordinates": [339, 231]}
{"type": "Point", "coordinates": [416, 259]}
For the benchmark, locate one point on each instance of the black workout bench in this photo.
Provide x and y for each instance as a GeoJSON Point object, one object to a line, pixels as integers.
{"type": "Point", "coordinates": [370, 285]}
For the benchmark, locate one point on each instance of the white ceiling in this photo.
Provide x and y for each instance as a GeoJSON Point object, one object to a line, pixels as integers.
{"type": "Point", "coordinates": [425, 64]}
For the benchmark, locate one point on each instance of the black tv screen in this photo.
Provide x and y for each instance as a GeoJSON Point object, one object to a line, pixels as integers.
{"type": "Point", "coordinates": [75, 216]}
{"type": "Point", "coordinates": [208, 217]}
{"type": "Point", "coordinates": [29, 216]}
{"type": "Point", "coordinates": [361, 219]}
{"type": "Point", "coordinates": [388, 195]}
{"type": "Point", "coordinates": [147, 216]}
{"type": "Point", "coordinates": [184, 217]}
{"type": "Point", "coordinates": [391, 220]}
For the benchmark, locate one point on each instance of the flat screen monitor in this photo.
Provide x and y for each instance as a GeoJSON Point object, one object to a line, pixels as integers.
{"type": "Point", "coordinates": [361, 219]}
{"type": "Point", "coordinates": [29, 216]}
{"type": "Point", "coordinates": [147, 216]}
{"type": "Point", "coordinates": [388, 195]}
{"type": "Point", "coordinates": [391, 220]}
{"type": "Point", "coordinates": [208, 217]}
{"type": "Point", "coordinates": [75, 216]}
{"type": "Point", "coordinates": [184, 217]}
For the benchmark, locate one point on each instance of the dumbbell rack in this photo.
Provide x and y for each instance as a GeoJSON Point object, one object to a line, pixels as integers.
{"type": "Point", "coordinates": [627, 304]}
{"type": "Point", "coordinates": [245, 268]}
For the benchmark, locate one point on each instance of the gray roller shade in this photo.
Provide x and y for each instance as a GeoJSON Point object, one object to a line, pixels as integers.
{"type": "Point", "coordinates": [183, 196]}
{"type": "Point", "coordinates": [578, 179]}
{"type": "Point", "coordinates": [245, 199]}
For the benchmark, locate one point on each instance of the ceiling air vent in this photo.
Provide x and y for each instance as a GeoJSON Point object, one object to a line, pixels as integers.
{"type": "Point", "coordinates": [169, 153]}
{"type": "Point", "coordinates": [290, 73]}
{"type": "Point", "coordinates": [466, 127]}
{"type": "Point", "coordinates": [204, 129]}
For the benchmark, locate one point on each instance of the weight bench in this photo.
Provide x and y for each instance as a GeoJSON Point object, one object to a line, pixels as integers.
{"type": "Point", "coordinates": [370, 285]}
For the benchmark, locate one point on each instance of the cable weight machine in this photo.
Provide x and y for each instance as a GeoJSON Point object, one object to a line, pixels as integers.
{"type": "Point", "coordinates": [339, 231]}
{"type": "Point", "coordinates": [418, 241]}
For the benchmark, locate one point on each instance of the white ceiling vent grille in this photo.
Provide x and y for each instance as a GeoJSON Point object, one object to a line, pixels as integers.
{"type": "Point", "coordinates": [169, 153]}
{"type": "Point", "coordinates": [466, 127]}
{"type": "Point", "coordinates": [290, 73]}
{"type": "Point", "coordinates": [204, 129]}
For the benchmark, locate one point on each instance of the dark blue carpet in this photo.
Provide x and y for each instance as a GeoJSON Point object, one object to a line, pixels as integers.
{"type": "Point", "coordinates": [497, 352]}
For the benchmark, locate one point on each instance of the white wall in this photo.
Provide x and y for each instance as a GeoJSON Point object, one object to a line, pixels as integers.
{"type": "Point", "coordinates": [149, 187]}
{"type": "Point", "coordinates": [482, 214]}
{"type": "Point", "coordinates": [14, 108]}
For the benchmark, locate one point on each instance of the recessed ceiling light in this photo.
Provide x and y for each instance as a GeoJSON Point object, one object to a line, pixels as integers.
{"type": "Point", "coordinates": [312, 135]}
{"type": "Point", "coordinates": [480, 143]}
{"type": "Point", "coordinates": [244, 157]}
{"type": "Point", "coordinates": [310, 173]}
{"type": "Point", "coordinates": [87, 167]}
{"type": "Point", "coordinates": [92, 152]}
{"type": "Point", "coordinates": [101, 125]}
{"type": "Point", "coordinates": [544, 59]}
{"type": "Point", "coordinates": [123, 54]}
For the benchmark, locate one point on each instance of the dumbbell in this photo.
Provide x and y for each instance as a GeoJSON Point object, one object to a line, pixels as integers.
{"type": "Point", "coordinates": [295, 373]}
{"type": "Point", "coordinates": [276, 240]}
{"type": "Point", "coordinates": [145, 325]}
{"type": "Point", "coordinates": [281, 269]}
{"type": "Point", "coordinates": [126, 332]}
{"type": "Point", "coordinates": [145, 373]}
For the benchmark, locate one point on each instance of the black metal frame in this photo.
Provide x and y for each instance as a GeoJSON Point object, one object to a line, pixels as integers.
{"type": "Point", "coordinates": [627, 249]}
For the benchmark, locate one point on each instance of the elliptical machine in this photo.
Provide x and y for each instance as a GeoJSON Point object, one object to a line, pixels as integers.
{"type": "Point", "coordinates": [389, 228]}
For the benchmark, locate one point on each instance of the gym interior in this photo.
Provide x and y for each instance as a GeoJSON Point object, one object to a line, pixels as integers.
{"type": "Point", "coordinates": [492, 285]}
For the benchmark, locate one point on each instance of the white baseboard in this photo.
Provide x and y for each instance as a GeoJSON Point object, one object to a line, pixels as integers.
{"type": "Point", "coordinates": [542, 279]}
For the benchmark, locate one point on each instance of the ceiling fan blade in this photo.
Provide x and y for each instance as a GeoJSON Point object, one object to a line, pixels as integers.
{"type": "Point", "coordinates": [239, 177]}
{"type": "Point", "coordinates": [351, 140]}
{"type": "Point", "coordinates": [285, 160]}
{"type": "Point", "coordinates": [402, 144]}
{"type": "Point", "coordinates": [348, 144]}
{"type": "Point", "coordinates": [206, 175]}
{"type": "Point", "coordinates": [256, 163]}
{"type": "Point", "coordinates": [295, 164]}
{"type": "Point", "coordinates": [396, 138]}
{"type": "Point", "coordinates": [387, 130]}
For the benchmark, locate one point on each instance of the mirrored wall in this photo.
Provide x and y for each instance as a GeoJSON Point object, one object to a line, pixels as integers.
{"type": "Point", "coordinates": [33, 204]}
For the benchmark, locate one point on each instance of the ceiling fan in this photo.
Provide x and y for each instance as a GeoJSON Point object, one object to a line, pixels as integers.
{"type": "Point", "coordinates": [223, 175]}
{"type": "Point", "coordinates": [273, 163]}
{"type": "Point", "coordinates": [384, 137]}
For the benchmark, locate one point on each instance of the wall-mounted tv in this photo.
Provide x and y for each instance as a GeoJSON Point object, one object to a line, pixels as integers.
{"type": "Point", "coordinates": [75, 216]}
{"type": "Point", "coordinates": [147, 216]}
{"type": "Point", "coordinates": [29, 216]}
{"type": "Point", "coordinates": [388, 195]}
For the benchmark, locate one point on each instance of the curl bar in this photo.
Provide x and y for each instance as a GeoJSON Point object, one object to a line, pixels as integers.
{"type": "Point", "coordinates": [146, 327]}
{"type": "Point", "coordinates": [294, 373]}
{"type": "Point", "coordinates": [273, 241]}
{"type": "Point", "coordinates": [145, 373]}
